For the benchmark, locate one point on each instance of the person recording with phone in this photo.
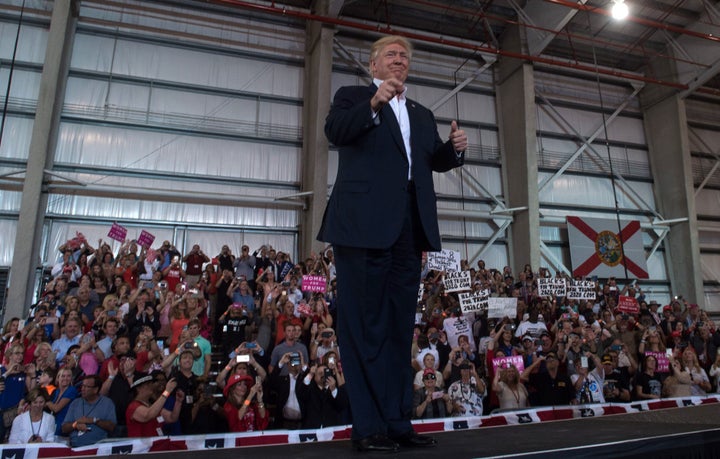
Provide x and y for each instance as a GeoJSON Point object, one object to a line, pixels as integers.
{"type": "Point", "coordinates": [322, 397]}
{"type": "Point", "coordinates": [323, 340]}
{"type": "Point", "coordinates": [242, 361]}
{"type": "Point", "coordinates": [467, 393]}
{"type": "Point", "coordinates": [244, 264]}
{"type": "Point", "coordinates": [429, 401]}
{"type": "Point", "coordinates": [503, 339]}
{"type": "Point", "coordinates": [589, 383]}
{"type": "Point", "coordinates": [284, 378]}
{"type": "Point", "coordinates": [244, 406]}
{"type": "Point", "coordinates": [233, 324]}
{"type": "Point", "coordinates": [187, 381]}
{"type": "Point", "coordinates": [142, 314]}
{"type": "Point", "coordinates": [143, 414]}
{"type": "Point", "coordinates": [193, 265]}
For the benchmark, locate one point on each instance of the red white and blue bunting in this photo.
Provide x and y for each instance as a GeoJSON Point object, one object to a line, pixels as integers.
{"type": "Point", "coordinates": [281, 437]}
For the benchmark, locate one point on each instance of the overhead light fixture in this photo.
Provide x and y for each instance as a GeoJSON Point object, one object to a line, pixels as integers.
{"type": "Point", "coordinates": [620, 10]}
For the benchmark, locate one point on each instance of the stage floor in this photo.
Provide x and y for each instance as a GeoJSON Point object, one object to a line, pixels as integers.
{"type": "Point", "coordinates": [677, 432]}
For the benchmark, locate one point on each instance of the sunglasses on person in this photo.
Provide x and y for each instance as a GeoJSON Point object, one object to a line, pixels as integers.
{"type": "Point", "coordinates": [430, 376]}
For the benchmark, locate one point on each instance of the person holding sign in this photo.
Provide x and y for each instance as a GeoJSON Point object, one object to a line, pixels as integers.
{"type": "Point", "coordinates": [510, 390]}
{"type": "Point", "coordinates": [380, 217]}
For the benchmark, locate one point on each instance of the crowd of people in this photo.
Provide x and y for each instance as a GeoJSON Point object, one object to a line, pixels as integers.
{"type": "Point", "coordinates": [121, 345]}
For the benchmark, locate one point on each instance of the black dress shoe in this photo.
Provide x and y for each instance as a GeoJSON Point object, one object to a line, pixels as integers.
{"type": "Point", "coordinates": [413, 440]}
{"type": "Point", "coordinates": [376, 443]}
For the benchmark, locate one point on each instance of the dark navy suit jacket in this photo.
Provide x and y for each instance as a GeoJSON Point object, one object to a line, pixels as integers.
{"type": "Point", "coordinates": [368, 202]}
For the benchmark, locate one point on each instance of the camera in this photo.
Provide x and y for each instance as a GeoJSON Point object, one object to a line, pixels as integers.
{"type": "Point", "coordinates": [510, 327]}
{"type": "Point", "coordinates": [295, 359]}
{"type": "Point", "coordinates": [286, 283]}
{"type": "Point", "coordinates": [189, 345]}
{"type": "Point", "coordinates": [326, 334]}
{"type": "Point", "coordinates": [328, 372]}
{"type": "Point", "coordinates": [250, 345]}
{"type": "Point", "coordinates": [242, 358]}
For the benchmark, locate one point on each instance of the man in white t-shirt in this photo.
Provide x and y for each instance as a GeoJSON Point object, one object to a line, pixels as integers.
{"type": "Point", "coordinates": [460, 324]}
{"type": "Point", "coordinates": [531, 325]}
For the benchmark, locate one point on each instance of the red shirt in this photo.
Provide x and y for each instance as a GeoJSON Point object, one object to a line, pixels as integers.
{"type": "Point", "coordinates": [250, 422]}
{"type": "Point", "coordinates": [173, 277]}
{"type": "Point", "coordinates": [136, 429]}
{"type": "Point", "coordinates": [104, 373]}
{"type": "Point", "coordinates": [194, 263]}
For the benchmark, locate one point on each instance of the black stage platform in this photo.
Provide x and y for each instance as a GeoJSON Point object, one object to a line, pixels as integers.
{"type": "Point", "coordinates": [691, 432]}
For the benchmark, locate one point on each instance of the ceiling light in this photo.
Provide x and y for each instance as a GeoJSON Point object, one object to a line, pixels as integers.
{"type": "Point", "coordinates": [620, 10]}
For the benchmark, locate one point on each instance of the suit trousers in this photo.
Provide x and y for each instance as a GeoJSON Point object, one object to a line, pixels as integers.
{"type": "Point", "coordinates": [377, 300]}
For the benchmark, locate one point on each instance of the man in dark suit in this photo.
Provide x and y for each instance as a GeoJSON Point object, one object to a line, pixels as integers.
{"type": "Point", "coordinates": [381, 216]}
{"type": "Point", "coordinates": [322, 399]}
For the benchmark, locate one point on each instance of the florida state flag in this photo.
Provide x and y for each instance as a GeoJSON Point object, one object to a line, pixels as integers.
{"type": "Point", "coordinates": [598, 247]}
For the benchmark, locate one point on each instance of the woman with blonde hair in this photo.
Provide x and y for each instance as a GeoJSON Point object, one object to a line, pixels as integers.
{"type": "Point", "coordinates": [510, 390]}
{"type": "Point", "coordinates": [17, 379]}
{"type": "Point", "coordinates": [11, 334]}
{"type": "Point", "coordinates": [44, 357]}
{"type": "Point", "coordinates": [64, 393]}
{"type": "Point", "coordinates": [71, 304]}
{"type": "Point", "coordinates": [690, 378]}
{"type": "Point", "coordinates": [109, 304]}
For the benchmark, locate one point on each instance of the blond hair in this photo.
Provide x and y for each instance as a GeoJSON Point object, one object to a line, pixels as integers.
{"type": "Point", "coordinates": [380, 44]}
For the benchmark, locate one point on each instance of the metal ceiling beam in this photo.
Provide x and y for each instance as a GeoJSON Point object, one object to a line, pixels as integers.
{"type": "Point", "coordinates": [628, 188]}
{"type": "Point", "coordinates": [638, 20]}
{"type": "Point", "coordinates": [715, 166]}
{"type": "Point", "coordinates": [466, 45]}
{"type": "Point", "coordinates": [590, 139]}
{"type": "Point", "coordinates": [547, 21]}
{"type": "Point", "coordinates": [658, 225]}
{"type": "Point", "coordinates": [551, 256]}
{"type": "Point", "coordinates": [459, 87]}
{"type": "Point", "coordinates": [656, 245]}
{"type": "Point", "coordinates": [501, 229]}
{"type": "Point", "coordinates": [154, 194]}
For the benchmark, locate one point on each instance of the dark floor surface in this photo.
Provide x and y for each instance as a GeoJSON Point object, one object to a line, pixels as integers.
{"type": "Point", "coordinates": [692, 432]}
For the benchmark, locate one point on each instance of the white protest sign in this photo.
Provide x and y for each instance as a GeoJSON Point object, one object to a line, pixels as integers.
{"type": "Point", "coordinates": [581, 290]}
{"type": "Point", "coordinates": [474, 302]}
{"type": "Point", "coordinates": [457, 281]}
{"type": "Point", "coordinates": [445, 260]}
{"type": "Point", "coordinates": [502, 307]}
{"type": "Point", "coordinates": [421, 291]}
{"type": "Point", "coordinates": [552, 287]}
